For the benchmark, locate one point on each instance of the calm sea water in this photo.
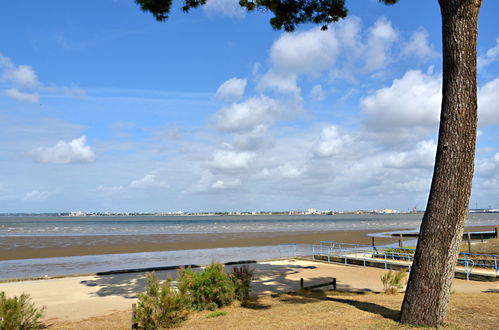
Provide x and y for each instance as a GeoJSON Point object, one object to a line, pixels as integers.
{"type": "Point", "coordinates": [91, 226]}
{"type": "Point", "coordinates": [142, 225]}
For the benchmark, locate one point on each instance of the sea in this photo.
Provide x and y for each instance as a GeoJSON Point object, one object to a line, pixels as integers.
{"type": "Point", "coordinates": [35, 226]}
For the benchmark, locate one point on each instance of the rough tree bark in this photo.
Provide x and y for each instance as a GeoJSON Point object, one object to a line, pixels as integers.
{"type": "Point", "coordinates": [428, 289]}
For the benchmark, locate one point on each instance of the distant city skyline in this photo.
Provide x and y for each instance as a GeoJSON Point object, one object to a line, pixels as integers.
{"type": "Point", "coordinates": [103, 108]}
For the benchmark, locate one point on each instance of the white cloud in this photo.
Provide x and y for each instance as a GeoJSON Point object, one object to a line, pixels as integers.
{"type": "Point", "coordinates": [289, 171]}
{"type": "Point", "coordinates": [280, 81]}
{"type": "Point", "coordinates": [333, 143]}
{"type": "Point", "coordinates": [147, 182]}
{"type": "Point", "coordinates": [488, 103]}
{"type": "Point", "coordinates": [413, 100]}
{"type": "Point", "coordinates": [231, 90]}
{"type": "Point", "coordinates": [231, 160]}
{"type": "Point", "coordinates": [316, 93]}
{"type": "Point", "coordinates": [229, 8]}
{"type": "Point", "coordinates": [306, 52]}
{"type": "Point", "coordinates": [422, 157]}
{"type": "Point", "coordinates": [74, 151]}
{"type": "Point", "coordinates": [21, 96]}
{"type": "Point", "coordinates": [245, 116]}
{"type": "Point", "coordinates": [418, 45]}
{"type": "Point", "coordinates": [226, 184]}
{"type": "Point", "coordinates": [256, 139]}
{"type": "Point", "coordinates": [491, 56]}
{"type": "Point", "coordinates": [22, 75]}
{"type": "Point", "coordinates": [379, 44]}
{"type": "Point", "coordinates": [37, 196]}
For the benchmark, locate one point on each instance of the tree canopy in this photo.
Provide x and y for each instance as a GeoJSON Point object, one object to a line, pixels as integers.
{"type": "Point", "coordinates": [287, 13]}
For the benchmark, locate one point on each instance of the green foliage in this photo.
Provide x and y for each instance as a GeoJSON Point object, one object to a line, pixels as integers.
{"type": "Point", "coordinates": [241, 278]}
{"type": "Point", "coordinates": [392, 281]}
{"type": "Point", "coordinates": [161, 305]}
{"type": "Point", "coordinates": [215, 314]}
{"type": "Point", "coordinates": [287, 14]}
{"type": "Point", "coordinates": [210, 289]}
{"type": "Point", "coordinates": [19, 313]}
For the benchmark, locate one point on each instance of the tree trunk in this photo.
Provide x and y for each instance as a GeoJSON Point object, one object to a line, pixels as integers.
{"type": "Point", "coordinates": [428, 289]}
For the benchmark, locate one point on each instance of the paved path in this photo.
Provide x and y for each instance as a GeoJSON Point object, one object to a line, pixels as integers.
{"type": "Point", "coordinates": [74, 298]}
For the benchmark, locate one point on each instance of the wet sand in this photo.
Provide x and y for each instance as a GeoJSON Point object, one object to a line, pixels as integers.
{"type": "Point", "coordinates": [64, 246]}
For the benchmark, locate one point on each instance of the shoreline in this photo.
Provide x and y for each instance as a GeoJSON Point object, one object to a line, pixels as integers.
{"type": "Point", "coordinates": [31, 247]}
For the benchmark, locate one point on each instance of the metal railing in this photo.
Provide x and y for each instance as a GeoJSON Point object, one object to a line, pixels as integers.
{"type": "Point", "coordinates": [390, 256]}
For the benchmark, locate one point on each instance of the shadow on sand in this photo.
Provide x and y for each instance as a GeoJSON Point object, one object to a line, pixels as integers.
{"type": "Point", "coordinates": [279, 280]}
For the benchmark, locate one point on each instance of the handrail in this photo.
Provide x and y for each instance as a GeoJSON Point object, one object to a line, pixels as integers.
{"type": "Point", "coordinates": [387, 255]}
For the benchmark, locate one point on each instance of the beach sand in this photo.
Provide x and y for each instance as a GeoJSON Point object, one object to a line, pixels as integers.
{"type": "Point", "coordinates": [77, 298]}
{"type": "Point", "coordinates": [65, 246]}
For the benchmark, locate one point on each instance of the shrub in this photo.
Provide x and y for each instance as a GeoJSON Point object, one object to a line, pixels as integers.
{"type": "Point", "coordinates": [209, 289]}
{"type": "Point", "coordinates": [19, 313]}
{"type": "Point", "coordinates": [392, 281]}
{"type": "Point", "coordinates": [161, 305]}
{"type": "Point", "coordinates": [241, 278]}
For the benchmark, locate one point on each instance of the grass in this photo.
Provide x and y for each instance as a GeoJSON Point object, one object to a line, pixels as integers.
{"type": "Point", "coordinates": [489, 246]}
{"type": "Point", "coordinates": [215, 314]}
{"type": "Point", "coordinates": [319, 310]}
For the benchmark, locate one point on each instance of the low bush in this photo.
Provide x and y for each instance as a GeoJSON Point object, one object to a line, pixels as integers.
{"type": "Point", "coordinates": [393, 281]}
{"type": "Point", "coordinates": [19, 313]}
{"type": "Point", "coordinates": [210, 289]}
{"type": "Point", "coordinates": [160, 306]}
{"type": "Point", "coordinates": [241, 278]}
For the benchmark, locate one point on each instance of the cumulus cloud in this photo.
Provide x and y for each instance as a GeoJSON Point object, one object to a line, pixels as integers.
{"type": "Point", "coordinates": [333, 143]}
{"type": "Point", "coordinates": [37, 196]}
{"type": "Point", "coordinates": [418, 45]}
{"type": "Point", "coordinates": [21, 96]}
{"type": "Point", "coordinates": [19, 75]}
{"type": "Point", "coordinates": [289, 171]}
{"type": "Point", "coordinates": [231, 160]}
{"type": "Point", "coordinates": [245, 116]}
{"type": "Point", "coordinates": [147, 182]}
{"type": "Point", "coordinates": [24, 84]}
{"type": "Point", "coordinates": [231, 90]}
{"type": "Point", "coordinates": [381, 38]}
{"type": "Point", "coordinates": [225, 184]}
{"type": "Point", "coordinates": [422, 157]}
{"type": "Point", "coordinates": [229, 8]}
{"type": "Point", "coordinates": [491, 56]}
{"type": "Point", "coordinates": [413, 100]}
{"type": "Point", "coordinates": [488, 103]}
{"type": "Point", "coordinates": [258, 138]}
{"type": "Point", "coordinates": [74, 151]}
{"type": "Point", "coordinates": [306, 52]}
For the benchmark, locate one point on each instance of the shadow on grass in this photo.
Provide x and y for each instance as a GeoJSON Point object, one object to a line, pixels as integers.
{"type": "Point", "coordinates": [373, 308]}
{"type": "Point", "coordinates": [255, 304]}
{"type": "Point", "coordinates": [305, 297]}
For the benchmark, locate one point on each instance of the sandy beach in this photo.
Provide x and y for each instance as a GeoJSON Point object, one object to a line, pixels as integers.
{"type": "Point", "coordinates": [76, 298]}
{"type": "Point", "coordinates": [62, 246]}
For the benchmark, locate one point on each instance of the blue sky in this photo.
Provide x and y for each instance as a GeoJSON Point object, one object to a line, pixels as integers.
{"type": "Point", "coordinates": [105, 109]}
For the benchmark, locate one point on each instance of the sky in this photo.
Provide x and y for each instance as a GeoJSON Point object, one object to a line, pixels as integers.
{"type": "Point", "coordinates": [104, 109]}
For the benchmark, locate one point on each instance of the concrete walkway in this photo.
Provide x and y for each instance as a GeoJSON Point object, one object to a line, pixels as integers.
{"type": "Point", "coordinates": [75, 298]}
